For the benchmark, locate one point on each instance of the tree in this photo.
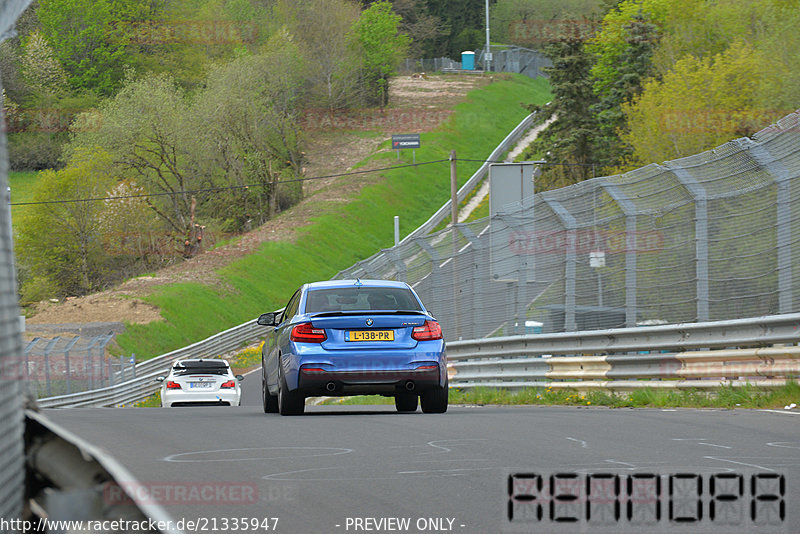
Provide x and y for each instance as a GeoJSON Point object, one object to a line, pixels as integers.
{"type": "Point", "coordinates": [320, 31]}
{"type": "Point", "coordinates": [568, 140]}
{"type": "Point", "coordinates": [631, 48]}
{"type": "Point", "coordinates": [83, 34]}
{"type": "Point", "coordinates": [60, 245]}
{"type": "Point", "coordinates": [700, 104]}
{"type": "Point", "coordinates": [528, 22]}
{"type": "Point", "coordinates": [422, 27]}
{"type": "Point", "coordinates": [147, 130]}
{"type": "Point", "coordinates": [41, 69]}
{"type": "Point", "coordinates": [251, 107]}
{"type": "Point", "coordinates": [456, 16]}
{"type": "Point", "coordinates": [382, 48]}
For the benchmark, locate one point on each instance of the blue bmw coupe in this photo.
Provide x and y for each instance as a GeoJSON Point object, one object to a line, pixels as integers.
{"type": "Point", "coordinates": [353, 337]}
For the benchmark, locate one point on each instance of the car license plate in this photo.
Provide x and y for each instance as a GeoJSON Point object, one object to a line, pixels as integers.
{"type": "Point", "coordinates": [200, 385]}
{"type": "Point", "coordinates": [371, 335]}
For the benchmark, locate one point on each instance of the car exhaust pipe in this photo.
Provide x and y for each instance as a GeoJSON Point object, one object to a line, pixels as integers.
{"type": "Point", "coordinates": [410, 385]}
{"type": "Point", "coordinates": [330, 386]}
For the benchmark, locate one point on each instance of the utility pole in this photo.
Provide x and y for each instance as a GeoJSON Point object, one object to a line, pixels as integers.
{"type": "Point", "coordinates": [453, 188]}
{"type": "Point", "coordinates": [454, 215]}
{"type": "Point", "coordinates": [488, 52]}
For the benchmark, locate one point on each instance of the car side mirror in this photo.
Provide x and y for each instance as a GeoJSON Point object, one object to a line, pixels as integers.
{"type": "Point", "coordinates": [239, 377]}
{"type": "Point", "coordinates": [268, 319]}
{"type": "Point", "coordinates": [161, 379]}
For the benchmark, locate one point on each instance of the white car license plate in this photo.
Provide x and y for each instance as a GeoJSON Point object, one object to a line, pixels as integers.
{"type": "Point", "coordinates": [200, 385]}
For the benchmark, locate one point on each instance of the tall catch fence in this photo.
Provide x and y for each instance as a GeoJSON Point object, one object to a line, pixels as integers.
{"type": "Point", "coordinates": [11, 442]}
{"type": "Point", "coordinates": [709, 237]}
{"type": "Point", "coordinates": [517, 59]}
{"type": "Point", "coordinates": [70, 364]}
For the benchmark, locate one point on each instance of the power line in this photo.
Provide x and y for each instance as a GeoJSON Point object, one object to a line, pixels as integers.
{"type": "Point", "coordinates": [226, 188]}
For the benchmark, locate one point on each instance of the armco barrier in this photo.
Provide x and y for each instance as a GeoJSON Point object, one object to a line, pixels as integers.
{"type": "Point", "coordinates": [520, 361]}
{"type": "Point", "coordinates": [527, 361]}
{"type": "Point", "coordinates": [145, 383]}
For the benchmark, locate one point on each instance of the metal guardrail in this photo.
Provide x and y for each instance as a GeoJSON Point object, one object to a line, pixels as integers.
{"type": "Point", "coordinates": [742, 355]}
{"type": "Point", "coordinates": [144, 384]}
{"type": "Point", "coordinates": [520, 361]}
{"type": "Point", "coordinates": [76, 479]}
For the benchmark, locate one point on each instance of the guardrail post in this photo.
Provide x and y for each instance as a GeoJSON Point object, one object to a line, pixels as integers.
{"type": "Point", "coordinates": [67, 370]}
{"type": "Point", "coordinates": [700, 196]}
{"type": "Point", "coordinates": [436, 299]}
{"type": "Point", "coordinates": [90, 362]}
{"type": "Point", "coordinates": [47, 351]}
{"type": "Point", "coordinates": [629, 210]}
{"type": "Point", "coordinates": [399, 264]}
{"type": "Point", "coordinates": [570, 261]}
{"type": "Point", "coordinates": [762, 156]}
{"type": "Point", "coordinates": [480, 277]}
{"type": "Point", "coordinates": [23, 373]}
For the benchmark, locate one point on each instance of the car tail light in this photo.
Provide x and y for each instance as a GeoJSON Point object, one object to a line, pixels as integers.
{"type": "Point", "coordinates": [173, 385]}
{"type": "Point", "coordinates": [430, 330]}
{"type": "Point", "coordinates": [305, 333]}
{"type": "Point", "coordinates": [229, 384]}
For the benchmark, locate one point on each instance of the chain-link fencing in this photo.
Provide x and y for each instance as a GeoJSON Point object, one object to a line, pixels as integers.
{"type": "Point", "coordinates": [517, 59]}
{"type": "Point", "coordinates": [11, 442]}
{"type": "Point", "coordinates": [712, 236]}
{"type": "Point", "coordinates": [71, 364]}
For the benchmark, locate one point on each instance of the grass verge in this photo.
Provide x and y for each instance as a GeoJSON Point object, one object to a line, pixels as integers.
{"type": "Point", "coordinates": [725, 397]}
{"type": "Point", "coordinates": [340, 236]}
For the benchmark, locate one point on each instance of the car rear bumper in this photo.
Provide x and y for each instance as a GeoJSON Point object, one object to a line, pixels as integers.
{"type": "Point", "coordinates": [199, 398]}
{"type": "Point", "coordinates": [367, 382]}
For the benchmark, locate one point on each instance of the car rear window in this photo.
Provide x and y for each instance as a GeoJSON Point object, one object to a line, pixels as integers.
{"type": "Point", "coordinates": [210, 367]}
{"type": "Point", "coordinates": [361, 298]}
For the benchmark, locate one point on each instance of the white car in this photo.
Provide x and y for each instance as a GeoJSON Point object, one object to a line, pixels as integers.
{"type": "Point", "coordinates": [201, 382]}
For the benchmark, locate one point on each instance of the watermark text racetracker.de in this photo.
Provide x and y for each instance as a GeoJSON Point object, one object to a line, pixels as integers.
{"type": "Point", "coordinates": [201, 524]}
{"type": "Point", "coordinates": [181, 493]}
{"type": "Point", "coordinates": [584, 241]}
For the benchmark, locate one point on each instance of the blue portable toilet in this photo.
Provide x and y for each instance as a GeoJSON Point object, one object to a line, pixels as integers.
{"type": "Point", "coordinates": [468, 60]}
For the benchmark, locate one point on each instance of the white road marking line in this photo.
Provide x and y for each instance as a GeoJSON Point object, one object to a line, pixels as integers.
{"type": "Point", "coordinates": [621, 463]}
{"type": "Point", "coordinates": [331, 451]}
{"type": "Point", "coordinates": [785, 444]}
{"type": "Point", "coordinates": [713, 445]}
{"type": "Point", "coordinates": [583, 443]}
{"type": "Point", "coordinates": [785, 412]}
{"type": "Point", "coordinates": [738, 463]}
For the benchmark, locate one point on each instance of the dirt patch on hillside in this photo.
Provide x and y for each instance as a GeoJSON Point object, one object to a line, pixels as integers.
{"type": "Point", "coordinates": [418, 105]}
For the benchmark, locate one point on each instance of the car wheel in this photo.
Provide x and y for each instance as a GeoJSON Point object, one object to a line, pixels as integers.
{"type": "Point", "coordinates": [289, 402]}
{"type": "Point", "coordinates": [405, 402]}
{"type": "Point", "coordinates": [270, 402]}
{"type": "Point", "coordinates": [435, 400]}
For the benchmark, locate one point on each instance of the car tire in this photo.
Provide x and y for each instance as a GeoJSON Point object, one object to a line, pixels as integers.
{"type": "Point", "coordinates": [406, 402]}
{"type": "Point", "coordinates": [435, 400]}
{"type": "Point", "coordinates": [289, 402]}
{"type": "Point", "coordinates": [269, 401]}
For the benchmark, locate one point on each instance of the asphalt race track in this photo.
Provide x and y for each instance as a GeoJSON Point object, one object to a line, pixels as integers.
{"type": "Point", "coordinates": [370, 469]}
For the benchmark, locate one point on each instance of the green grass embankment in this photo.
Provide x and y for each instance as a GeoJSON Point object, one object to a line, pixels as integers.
{"type": "Point", "coordinates": [343, 233]}
{"type": "Point", "coordinates": [726, 397]}
{"type": "Point", "coordinates": [22, 184]}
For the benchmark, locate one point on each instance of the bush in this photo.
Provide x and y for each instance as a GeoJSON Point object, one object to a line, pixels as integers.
{"type": "Point", "coordinates": [35, 151]}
